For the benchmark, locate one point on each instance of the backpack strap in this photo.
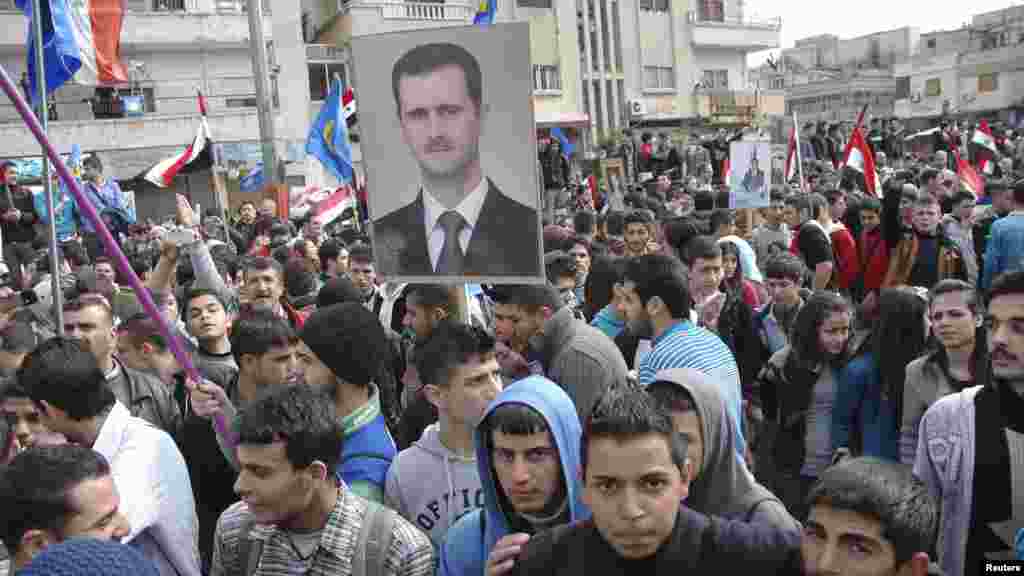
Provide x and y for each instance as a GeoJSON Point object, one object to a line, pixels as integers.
{"type": "Point", "coordinates": [249, 549]}
{"type": "Point", "coordinates": [374, 540]}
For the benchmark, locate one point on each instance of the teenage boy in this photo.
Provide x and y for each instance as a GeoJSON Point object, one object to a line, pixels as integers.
{"type": "Point", "coordinates": [294, 516]}
{"type": "Point", "coordinates": [772, 228]}
{"type": "Point", "coordinates": [869, 517]}
{"type": "Point", "coordinates": [527, 456]}
{"type": "Point", "coordinates": [783, 274]}
{"type": "Point", "coordinates": [871, 247]}
{"type": "Point", "coordinates": [345, 353]}
{"type": "Point", "coordinates": [635, 476]}
{"type": "Point", "coordinates": [435, 481]}
{"type": "Point", "coordinates": [208, 322]}
{"type": "Point", "coordinates": [637, 233]}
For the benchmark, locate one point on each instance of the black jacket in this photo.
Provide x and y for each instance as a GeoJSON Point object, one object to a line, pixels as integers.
{"type": "Point", "coordinates": [699, 544]}
{"type": "Point", "coordinates": [23, 230]}
{"type": "Point", "coordinates": [505, 241]}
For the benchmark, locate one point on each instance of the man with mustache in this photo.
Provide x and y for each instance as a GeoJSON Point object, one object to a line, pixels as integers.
{"type": "Point", "coordinates": [460, 224]}
{"type": "Point", "coordinates": [970, 449]}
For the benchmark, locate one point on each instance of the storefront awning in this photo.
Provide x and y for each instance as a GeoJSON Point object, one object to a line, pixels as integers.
{"type": "Point", "coordinates": [563, 119]}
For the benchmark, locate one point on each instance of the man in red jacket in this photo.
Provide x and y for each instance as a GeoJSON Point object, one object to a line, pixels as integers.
{"type": "Point", "coordinates": [844, 248]}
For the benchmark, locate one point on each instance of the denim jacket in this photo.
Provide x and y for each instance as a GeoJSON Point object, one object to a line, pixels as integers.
{"type": "Point", "coordinates": [945, 463]}
{"type": "Point", "coordinates": [1004, 248]}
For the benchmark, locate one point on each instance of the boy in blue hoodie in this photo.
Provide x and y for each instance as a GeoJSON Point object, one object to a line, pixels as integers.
{"type": "Point", "coordinates": [527, 448]}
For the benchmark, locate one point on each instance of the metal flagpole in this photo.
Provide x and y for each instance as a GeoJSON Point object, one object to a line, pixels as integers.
{"type": "Point", "coordinates": [44, 113]}
{"type": "Point", "coordinates": [799, 157]}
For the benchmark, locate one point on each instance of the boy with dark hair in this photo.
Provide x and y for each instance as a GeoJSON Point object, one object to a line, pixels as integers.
{"type": "Point", "coordinates": [657, 302]}
{"type": "Point", "coordinates": [615, 230]}
{"type": "Point", "coordinates": [435, 481]}
{"type": "Point", "coordinates": [958, 226]}
{"type": "Point", "coordinates": [264, 347]}
{"type": "Point", "coordinates": [23, 417]}
{"type": "Point", "coordinates": [772, 228]}
{"type": "Point", "coordinates": [208, 322]}
{"type": "Point", "coordinates": [426, 306]}
{"type": "Point", "coordinates": [346, 357]}
{"type": "Point", "coordinates": [527, 455]}
{"type": "Point", "coordinates": [783, 274]}
{"type": "Point", "coordinates": [53, 493]}
{"type": "Point", "coordinates": [871, 247]}
{"type": "Point", "coordinates": [577, 356]}
{"type": "Point", "coordinates": [881, 506]}
{"type": "Point", "coordinates": [294, 516]}
{"type": "Point", "coordinates": [74, 399]}
{"type": "Point", "coordinates": [334, 258]}
{"type": "Point", "coordinates": [723, 223]}
{"type": "Point", "coordinates": [811, 241]}
{"type": "Point", "coordinates": [637, 233]}
{"type": "Point", "coordinates": [635, 477]}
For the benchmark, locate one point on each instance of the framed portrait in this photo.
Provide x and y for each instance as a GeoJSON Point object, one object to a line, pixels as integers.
{"type": "Point", "coordinates": [750, 179]}
{"type": "Point", "coordinates": [449, 147]}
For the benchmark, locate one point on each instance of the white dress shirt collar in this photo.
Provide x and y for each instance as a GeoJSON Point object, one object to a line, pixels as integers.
{"type": "Point", "coordinates": [469, 208]}
{"type": "Point", "coordinates": [108, 440]}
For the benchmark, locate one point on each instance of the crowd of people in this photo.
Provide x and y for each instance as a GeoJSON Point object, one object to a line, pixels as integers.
{"type": "Point", "coordinates": [832, 384]}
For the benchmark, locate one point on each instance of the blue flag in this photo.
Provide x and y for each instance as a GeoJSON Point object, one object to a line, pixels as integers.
{"type": "Point", "coordinates": [328, 138]}
{"type": "Point", "coordinates": [62, 56]}
{"type": "Point", "coordinates": [252, 181]}
{"type": "Point", "coordinates": [567, 147]}
{"type": "Point", "coordinates": [485, 12]}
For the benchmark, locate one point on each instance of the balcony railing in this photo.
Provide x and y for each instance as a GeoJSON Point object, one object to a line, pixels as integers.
{"type": "Point", "coordinates": [446, 12]}
{"type": "Point", "coordinates": [743, 22]}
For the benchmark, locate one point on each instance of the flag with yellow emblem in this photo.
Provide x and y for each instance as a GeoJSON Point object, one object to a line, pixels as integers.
{"type": "Point", "coordinates": [485, 12]}
{"type": "Point", "coordinates": [328, 138]}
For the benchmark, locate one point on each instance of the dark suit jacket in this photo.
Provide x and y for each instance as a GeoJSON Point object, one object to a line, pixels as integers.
{"type": "Point", "coordinates": [505, 240]}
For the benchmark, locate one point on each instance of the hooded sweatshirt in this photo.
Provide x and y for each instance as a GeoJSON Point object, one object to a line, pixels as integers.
{"type": "Point", "coordinates": [472, 538]}
{"type": "Point", "coordinates": [431, 486]}
{"type": "Point", "coordinates": [724, 487]}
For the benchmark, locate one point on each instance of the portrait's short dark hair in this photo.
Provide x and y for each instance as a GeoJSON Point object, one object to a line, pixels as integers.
{"type": "Point", "coordinates": [66, 376]}
{"type": "Point", "coordinates": [35, 487]}
{"type": "Point", "coordinates": [662, 276]}
{"type": "Point", "coordinates": [626, 414]}
{"type": "Point", "coordinates": [887, 492]}
{"type": "Point", "coordinates": [449, 345]}
{"type": "Point", "coordinates": [256, 331]}
{"type": "Point", "coordinates": [427, 58]}
{"type": "Point", "coordinates": [300, 416]}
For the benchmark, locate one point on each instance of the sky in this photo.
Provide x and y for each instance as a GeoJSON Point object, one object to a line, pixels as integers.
{"type": "Point", "coordinates": [804, 18]}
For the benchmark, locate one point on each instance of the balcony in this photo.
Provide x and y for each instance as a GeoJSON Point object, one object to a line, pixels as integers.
{"type": "Point", "coordinates": [745, 34]}
{"type": "Point", "coordinates": [738, 106]}
{"type": "Point", "coordinates": [149, 131]}
{"type": "Point", "coordinates": [377, 16]}
{"type": "Point", "coordinates": [168, 28]}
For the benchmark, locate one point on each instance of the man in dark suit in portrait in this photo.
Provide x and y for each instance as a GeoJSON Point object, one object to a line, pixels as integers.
{"type": "Point", "coordinates": [460, 224]}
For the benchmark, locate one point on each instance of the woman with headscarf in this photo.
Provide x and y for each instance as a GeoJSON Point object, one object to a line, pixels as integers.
{"type": "Point", "coordinates": [740, 269]}
{"type": "Point", "coordinates": [720, 483]}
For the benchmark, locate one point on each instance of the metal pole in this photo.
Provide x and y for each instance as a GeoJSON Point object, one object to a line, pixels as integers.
{"type": "Point", "coordinates": [261, 73]}
{"type": "Point", "coordinates": [44, 113]}
{"type": "Point", "coordinates": [799, 156]}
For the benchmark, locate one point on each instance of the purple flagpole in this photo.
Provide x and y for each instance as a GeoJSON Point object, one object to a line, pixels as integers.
{"type": "Point", "coordinates": [109, 244]}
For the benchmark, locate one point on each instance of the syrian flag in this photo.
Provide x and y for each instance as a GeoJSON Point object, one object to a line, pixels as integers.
{"type": "Point", "coordinates": [196, 157]}
{"type": "Point", "coordinates": [986, 147]}
{"type": "Point", "coordinates": [348, 107]}
{"type": "Point", "coordinates": [859, 157]}
{"type": "Point", "coordinates": [792, 170]}
{"type": "Point", "coordinates": [969, 177]}
{"type": "Point", "coordinates": [335, 205]}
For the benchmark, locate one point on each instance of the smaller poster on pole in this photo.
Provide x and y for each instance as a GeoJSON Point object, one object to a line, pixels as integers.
{"type": "Point", "coordinates": [750, 166]}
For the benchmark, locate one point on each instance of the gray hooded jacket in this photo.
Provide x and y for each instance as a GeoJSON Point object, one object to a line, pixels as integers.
{"type": "Point", "coordinates": [724, 487]}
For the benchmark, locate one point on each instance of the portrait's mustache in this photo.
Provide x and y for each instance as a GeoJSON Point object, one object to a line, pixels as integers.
{"type": "Point", "coordinates": [439, 145]}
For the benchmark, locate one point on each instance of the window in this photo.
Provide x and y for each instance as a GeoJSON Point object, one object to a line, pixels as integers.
{"type": "Point", "coordinates": [933, 87]}
{"type": "Point", "coordinates": [716, 79]}
{"type": "Point", "coordinates": [778, 83]}
{"type": "Point", "coordinates": [320, 74]}
{"type": "Point", "coordinates": [931, 43]}
{"type": "Point", "coordinates": [712, 11]}
{"type": "Point", "coordinates": [534, 3]}
{"type": "Point", "coordinates": [988, 82]}
{"type": "Point", "coordinates": [546, 78]}
{"type": "Point", "coordinates": [168, 5]}
{"type": "Point", "coordinates": [659, 78]}
{"type": "Point", "coordinates": [655, 5]}
{"type": "Point", "coordinates": [245, 102]}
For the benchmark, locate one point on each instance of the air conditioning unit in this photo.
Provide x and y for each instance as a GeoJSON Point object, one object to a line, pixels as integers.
{"type": "Point", "coordinates": [637, 107]}
{"type": "Point", "coordinates": [915, 97]}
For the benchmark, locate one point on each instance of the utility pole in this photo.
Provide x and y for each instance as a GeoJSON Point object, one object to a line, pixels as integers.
{"type": "Point", "coordinates": [44, 113]}
{"type": "Point", "coordinates": [264, 102]}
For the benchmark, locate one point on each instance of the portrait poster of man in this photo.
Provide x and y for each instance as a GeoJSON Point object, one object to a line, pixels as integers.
{"type": "Point", "coordinates": [450, 153]}
{"type": "Point", "coordinates": [750, 165]}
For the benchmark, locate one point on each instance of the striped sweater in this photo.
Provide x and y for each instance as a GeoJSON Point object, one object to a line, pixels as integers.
{"type": "Point", "coordinates": [410, 553]}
